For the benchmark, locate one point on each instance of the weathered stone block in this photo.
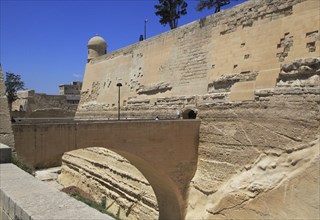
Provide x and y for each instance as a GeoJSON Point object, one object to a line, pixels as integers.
{"type": "Point", "coordinates": [267, 79]}
{"type": "Point", "coordinates": [242, 91]}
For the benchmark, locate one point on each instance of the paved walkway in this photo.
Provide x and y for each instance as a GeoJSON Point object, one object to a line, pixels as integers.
{"type": "Point", "coordinates": [24, 197]}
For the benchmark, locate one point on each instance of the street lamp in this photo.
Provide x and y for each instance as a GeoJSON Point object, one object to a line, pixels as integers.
{"type": "Point", "coordinates": [145, 28]}
{"type": "Point", "coordinates": [119, 85]}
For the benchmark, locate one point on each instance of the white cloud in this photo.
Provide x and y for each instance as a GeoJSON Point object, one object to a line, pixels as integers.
{"type": "Point", "coordinates": [77, 75]}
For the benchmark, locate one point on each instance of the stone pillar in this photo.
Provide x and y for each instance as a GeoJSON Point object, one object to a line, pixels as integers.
{"type": "Point", "coordinates": [6, 134]}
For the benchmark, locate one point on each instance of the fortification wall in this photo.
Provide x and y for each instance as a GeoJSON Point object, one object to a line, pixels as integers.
{"type": "Point", "coordinates": [252, 75]}
{"type": "Point", "coordinates": [40, 105]}
{"type": "Point", "coordinates": [224, 57]}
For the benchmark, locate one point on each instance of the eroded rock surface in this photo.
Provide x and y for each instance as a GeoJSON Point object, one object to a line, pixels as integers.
{"type": "Point", "coordinates": [151, 89]}
{"type": "Point", "coordinates": [103, 173]}
{"type": "Point", "coordinates": [224, 83]}
{"type": "Point", "coordinates": [258, 162]}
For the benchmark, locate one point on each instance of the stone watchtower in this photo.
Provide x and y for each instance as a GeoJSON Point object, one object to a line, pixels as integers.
{"type": "Point", "coordinates": [97, 46]}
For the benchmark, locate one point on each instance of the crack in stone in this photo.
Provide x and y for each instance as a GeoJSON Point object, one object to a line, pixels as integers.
{"type": "Point", "coordinates": [219, 162]}
{"type": "Point", "coordinates": [227, 208]}
{"type": "Point", "coordinates": [226, 134]}
{"type": "Point", "coordinates": [207, 193]}
{"type": "Point", "coordinates": [278, 133]}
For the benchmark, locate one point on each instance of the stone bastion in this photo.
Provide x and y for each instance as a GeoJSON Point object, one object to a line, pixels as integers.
{"type": "Point", "coordinates": [251, 75]}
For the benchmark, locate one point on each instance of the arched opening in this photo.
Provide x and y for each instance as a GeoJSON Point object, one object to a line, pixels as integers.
{"type": "Point", "coordinates": [111, 180]}
{"type": "Point", "coordinates": [189, 114]}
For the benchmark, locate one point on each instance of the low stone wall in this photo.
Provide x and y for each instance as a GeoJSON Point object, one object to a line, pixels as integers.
{"type": "Point", "coordinates": [41, 144]}
{"type": "Point", "coordinates": [24, 197]}
{"type": "Point", "coordinates": [37, 105]}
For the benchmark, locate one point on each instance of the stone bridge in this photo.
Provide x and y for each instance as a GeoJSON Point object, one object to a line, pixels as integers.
{"type": "Point", "coordinates": [165, 151]}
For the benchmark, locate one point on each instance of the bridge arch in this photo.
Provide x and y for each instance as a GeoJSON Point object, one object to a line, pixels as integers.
{"type": "Point", "coordinates": [165, 152]}
{"type": "Point", "coordinates": [170, 202]}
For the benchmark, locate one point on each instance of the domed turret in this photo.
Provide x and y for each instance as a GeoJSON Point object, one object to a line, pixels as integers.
{"type": "Point", "coordinates": [97, 47]}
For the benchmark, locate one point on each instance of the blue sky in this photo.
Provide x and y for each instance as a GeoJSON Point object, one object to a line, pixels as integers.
{"type": "Point", "coordinates": [45, 41]}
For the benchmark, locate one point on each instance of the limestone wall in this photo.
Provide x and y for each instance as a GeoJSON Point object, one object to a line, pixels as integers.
{"type": "Point", "coordinates": [225, 56]}
{"type": "Point", "coordinates": [252, 75]}
{"type": "Point", "coordinates": [6, 135]}
{"type": "Point", "coordinates": [40, 105]}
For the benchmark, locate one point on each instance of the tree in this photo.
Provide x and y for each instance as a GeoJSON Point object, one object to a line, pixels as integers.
{"type": "Point", "coordinates": [217, 4]}
{"type": "Point", "coordinates": [170, 11]}
{"type": "Point", "coordinates": [13, 84]}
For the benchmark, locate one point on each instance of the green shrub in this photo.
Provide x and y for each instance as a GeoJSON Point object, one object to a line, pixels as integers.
{"type": "Point", "coordinates": [21, 165]}
{"type": "Point", "coordinates": [81, 196]}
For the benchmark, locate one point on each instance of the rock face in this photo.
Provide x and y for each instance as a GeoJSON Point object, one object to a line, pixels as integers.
{"type": "Point", "coordinates": [103, 173]}
{"type": "Point", "coordinates": [6, 134]}
{"type": "Point", "coordinates": [258, 160]}
{"type": "Point", "coordinates": [258, 99]}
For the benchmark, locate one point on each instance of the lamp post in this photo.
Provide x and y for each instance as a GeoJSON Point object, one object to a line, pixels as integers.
{"type": "Point", "coordinates": [145, 28]}
{"type": "Point", "coordinates": [119, 85]}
